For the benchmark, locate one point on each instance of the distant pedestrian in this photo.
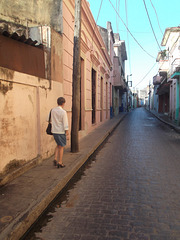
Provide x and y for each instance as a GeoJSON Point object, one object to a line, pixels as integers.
{"type": "Point", "coordinates": [60, 130]}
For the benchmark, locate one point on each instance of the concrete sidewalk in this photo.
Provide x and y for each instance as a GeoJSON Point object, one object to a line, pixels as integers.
{"type": "Point", "coordinates": [165, 119]}
{"type": "Point", "coordinates": [24, 199]}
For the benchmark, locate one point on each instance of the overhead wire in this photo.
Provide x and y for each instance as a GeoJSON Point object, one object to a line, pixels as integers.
{"type": "Point", "coordinates": [146, 74]}
{"type": "Point", "coordinates": [157, 17]}
{"type": "Point", "coordinates": [118, 12]}
{"type": "Point", "coordinates": [129, 31]}
{"type": "Point", "coordinates": [151, 25]}
{"type": "Point", "coordinates": [99, 11]}
{"type": "Point", "coordinates": [117, 9]}
{"type": "Point", "coordinates": [129, 60]}
{"type": "Point", "coordinates": [97, 20]}
{"type": "Point", "coordinates": [116, 16]}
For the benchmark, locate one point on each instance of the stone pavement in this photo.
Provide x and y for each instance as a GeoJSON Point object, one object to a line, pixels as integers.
{"type": "Point", "coordinates": [24, 199]}
{"type": "Point", "coordinates": [128, 191]}
{"type": "Point", "coordinates": [165, 119]}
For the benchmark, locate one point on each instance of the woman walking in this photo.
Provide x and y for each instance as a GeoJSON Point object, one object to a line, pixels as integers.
{"type": "Point", "coordinates": [60, 131]}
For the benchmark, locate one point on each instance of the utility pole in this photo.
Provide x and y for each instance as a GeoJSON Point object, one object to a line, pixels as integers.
{"type": "Point", "coordinates": [76, 79]}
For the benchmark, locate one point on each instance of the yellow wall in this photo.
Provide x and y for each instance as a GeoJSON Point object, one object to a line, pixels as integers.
{"type": "Point", "coordinates": [25, 103]}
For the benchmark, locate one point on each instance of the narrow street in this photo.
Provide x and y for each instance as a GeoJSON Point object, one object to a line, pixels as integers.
{"type": "Point", "coordinates": [130, 191]}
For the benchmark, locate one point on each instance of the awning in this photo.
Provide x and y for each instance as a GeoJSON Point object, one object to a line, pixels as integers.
{"type": "Point", "coordinates": [157, 80]}
{"type": "Point", "coordinates": [21, 38]}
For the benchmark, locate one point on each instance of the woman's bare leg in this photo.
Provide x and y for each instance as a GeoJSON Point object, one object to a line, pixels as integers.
{"type": "Point", "coordinates": [61, 151]}
{"type": "Point", "coordinates": [56, 153]}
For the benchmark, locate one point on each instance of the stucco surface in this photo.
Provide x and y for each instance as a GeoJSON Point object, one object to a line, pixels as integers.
{"type": "Point", "coordinates": [33, 12]}
{"type": "Point", "coordinates": [26, 99]}
{"type": "Point", "coordinates": [25, 104]}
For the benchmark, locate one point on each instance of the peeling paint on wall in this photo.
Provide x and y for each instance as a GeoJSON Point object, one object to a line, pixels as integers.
{"type": "Point", "coordinates": [30, 99]}
{"type": "Point", "coordinates": [31, 12]}
{"type": "Point", "coordinates": [9, 74]}
{"type": "Point", "coordinates": [5, 87]}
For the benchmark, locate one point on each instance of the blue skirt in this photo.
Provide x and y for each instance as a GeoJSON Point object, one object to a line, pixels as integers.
{"type": "Point", "coordinates": [60, 139]}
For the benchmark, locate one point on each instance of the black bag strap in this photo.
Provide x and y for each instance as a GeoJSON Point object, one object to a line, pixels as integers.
{"type": "Point", "coordinates": [50, 116]}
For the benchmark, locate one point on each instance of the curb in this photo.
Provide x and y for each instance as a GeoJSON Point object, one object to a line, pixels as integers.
{"type": "Point", "coordinates": [7, 178]}
{"type": "Point", "coordinates": [169, 124]}
{"type": "Point", "coordinates": [20, 225]}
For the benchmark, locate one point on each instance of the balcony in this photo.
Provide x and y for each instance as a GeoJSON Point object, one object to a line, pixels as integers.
{"type": "Point", "coordinates": [118, 75]}
{"type": "Point", "coordinates": [157, 80]}
{"type": "Point", "coordinates": [118, 81]}
{"type": "Point", "coordinates": [164, 66]}
{"type": "Point", "coordinates": [175, 68]}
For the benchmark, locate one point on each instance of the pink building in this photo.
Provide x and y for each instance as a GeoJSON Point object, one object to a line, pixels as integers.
{"type": "Point", "coordinates": [95, 69]}
{"type": "Point", "coordinates": [40, 46]}
{"type": "Point", "coordinates": [117, 52]}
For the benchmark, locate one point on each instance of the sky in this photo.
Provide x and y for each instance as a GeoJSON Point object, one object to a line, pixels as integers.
{"type": "Point", "coordinates": [162, 13]}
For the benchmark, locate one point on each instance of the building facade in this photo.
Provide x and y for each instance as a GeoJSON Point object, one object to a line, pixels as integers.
{"type": "Point", "coordinates": [119, 85]}
{"type": "Point", "coordinates": [117, 51]}
{"type": "Point", "coordinates": [166, 82]}
{"type": "Point", "coordinates": [36, 68]}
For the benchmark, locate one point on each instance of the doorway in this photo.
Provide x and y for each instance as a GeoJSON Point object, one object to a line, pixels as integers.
{"type": "Point", "coordinates": [93, 83]}
{"type": "Point", "coordinates": [82, 107]}
{"type": "Point", "coordinates": [106, 100]}
{"type": "Point", "coordinates": [101, 100]}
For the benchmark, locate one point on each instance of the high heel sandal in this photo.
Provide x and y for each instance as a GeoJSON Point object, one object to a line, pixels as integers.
{"type": "Point", "coordinates": [60, 165]}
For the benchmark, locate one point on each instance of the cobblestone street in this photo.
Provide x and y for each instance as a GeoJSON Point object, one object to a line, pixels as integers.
{"type": "Point", "coordinates": [130, 191]}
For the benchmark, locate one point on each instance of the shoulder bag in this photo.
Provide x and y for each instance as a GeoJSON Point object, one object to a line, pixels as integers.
{"type": "Point", "coordinates": [49, 127]}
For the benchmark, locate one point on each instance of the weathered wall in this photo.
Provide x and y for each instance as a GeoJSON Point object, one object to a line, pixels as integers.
{"type": "Point", "coordinates": [33, 12]}
{"type": "Point", "coordinates": [18, 117]}
{"type": "Point", "coordinates": [56, 56]}
{"type": "Point", "coordinates": [26, 100]}
{"type": "Point", "coordinates": [25, 103]}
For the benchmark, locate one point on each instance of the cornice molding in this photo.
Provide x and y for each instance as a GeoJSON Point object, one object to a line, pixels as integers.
{"type": "Point", "coordinates": [102, 69]}
{"type": "Point", "coordinates": [107, 75]}
{"type": "Point", "coordinates": [84, 46]}
{"type": "Point", "coordinates": [94, 59]}
{"type": "Point", "coordinates": [90, 24]}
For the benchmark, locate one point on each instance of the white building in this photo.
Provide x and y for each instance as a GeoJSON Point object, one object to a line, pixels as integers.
{"type": "Point", "coordinates": [167, 81]}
